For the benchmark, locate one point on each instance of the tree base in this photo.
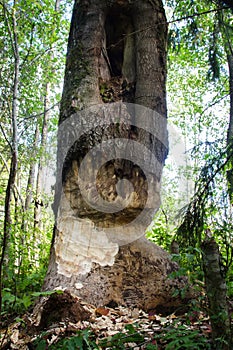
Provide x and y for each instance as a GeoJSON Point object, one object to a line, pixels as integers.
{"type": "Point", "coordinates": [138, 278]}
{"type": "Point", "coordinates": [58, 308]}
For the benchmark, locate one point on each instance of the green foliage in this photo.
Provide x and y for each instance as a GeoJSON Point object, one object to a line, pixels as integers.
{"type": "Point", "coordinates": [171, 337]}
{"type": "Point", "coordinates": [86, 339]}
{"type": "Point", "coordinates": [13, 303]}
{"type": "Point", "coordinates": [159, 232]}
{"type": "Point", "coordinates": [198, 105]}
{"type": "Point", "coordinates": [40, 343]}
{"type": "Point", "coordinates": [83, 341]}
{"type": "Point", "coordinates": [41, 41]}
{"type": "Point", "coordinates": [189, 261]}
{"type": "Point", "coordinates": [27, 267]}
{"type": "Point", "coordinates": [119, 340]}
{"type": "Point", "coordinates": [181, 337]}
{"type": "Point", "coordinates": [209, 208]}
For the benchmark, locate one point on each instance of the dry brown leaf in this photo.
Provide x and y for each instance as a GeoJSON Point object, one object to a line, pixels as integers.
{"type": "Point", "coordinates": [152, 317]}
{"type": "Point", "coordinates": [102, 311]}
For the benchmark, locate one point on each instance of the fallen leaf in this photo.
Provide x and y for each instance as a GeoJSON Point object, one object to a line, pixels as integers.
{"type": "Point", "coordinates": [151, 317]}
{"type": "Point", "coordinates": [102, 311]}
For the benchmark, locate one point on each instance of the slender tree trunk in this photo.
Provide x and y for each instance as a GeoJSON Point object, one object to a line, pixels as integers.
{"type": "Point", "coordinates": [230, 127]}
{"type": "Point", "coordinates": [216, 292]}
{"type": "Point", "coordinates": [26, 223]}
{"type": "Point", "coordinates": [44, 135]}
{"type": "Point", "coordinates": [224, 19]}
{"type": "Point", "coordinates": [14, 154]}
{"type": "Point", "coordinates": [42, 161]}
{"type": "Point", "coordinates": [114, 89]}
{"type": "Point", "coordinates": [57, 5]}
{"type": "Point", "coordinates": [32, 171]}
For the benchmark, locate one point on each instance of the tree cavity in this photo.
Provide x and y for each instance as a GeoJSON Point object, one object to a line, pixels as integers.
{"type": "Point", "coordinates": [119, 57]}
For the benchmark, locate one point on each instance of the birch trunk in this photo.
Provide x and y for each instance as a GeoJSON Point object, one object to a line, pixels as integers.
{"type": "Point", "coordinates": [32, 172]}
{"type": "Point", "coordinates": [42, 162]}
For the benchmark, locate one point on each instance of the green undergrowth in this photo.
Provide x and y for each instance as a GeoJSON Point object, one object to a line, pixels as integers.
{"type": "Point", "coordinates": [169, 337]}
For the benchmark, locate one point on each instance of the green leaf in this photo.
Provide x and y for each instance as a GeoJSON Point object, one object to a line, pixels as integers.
{"type": "Point", "coordinates": [46, 293]}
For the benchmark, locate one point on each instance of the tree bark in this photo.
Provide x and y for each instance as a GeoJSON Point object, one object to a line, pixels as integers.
{"type": "Point", "coordinates": [114, 86]}
{"type": "Point", "coordinates": [216, 292]}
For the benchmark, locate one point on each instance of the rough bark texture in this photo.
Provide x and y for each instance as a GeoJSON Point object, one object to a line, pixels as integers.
{"type": "Point", "coordinates": [138, 278]}
{"type": "Point", "coordinates": [58, 308]}
{"type": "Point", "coordinates": [116, 53]}
{"type": "Point", "coordinates": [216, 291]}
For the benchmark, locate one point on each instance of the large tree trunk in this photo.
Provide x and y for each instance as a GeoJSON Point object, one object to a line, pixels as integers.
{"type": "Point", "coordinates": [112, 143]}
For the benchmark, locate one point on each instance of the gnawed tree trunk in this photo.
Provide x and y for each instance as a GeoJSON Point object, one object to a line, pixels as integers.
{"type": "Point", "coordinates": [113, 100]}
{"type": "Point", "coordinates": [216, 292]}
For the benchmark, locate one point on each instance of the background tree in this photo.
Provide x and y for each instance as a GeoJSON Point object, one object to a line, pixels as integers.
{"type": "Point", "coordinates": [28, 31]}
{"type": "Point", "coordinates": [210, 206]}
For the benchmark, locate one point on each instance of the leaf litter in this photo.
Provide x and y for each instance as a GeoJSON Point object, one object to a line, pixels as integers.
{"type": "Point", "coordinates": [109, 328]}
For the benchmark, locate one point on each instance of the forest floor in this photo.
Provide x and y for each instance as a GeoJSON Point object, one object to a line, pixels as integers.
{"type": "Point", "coordinates": [66, 322]}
